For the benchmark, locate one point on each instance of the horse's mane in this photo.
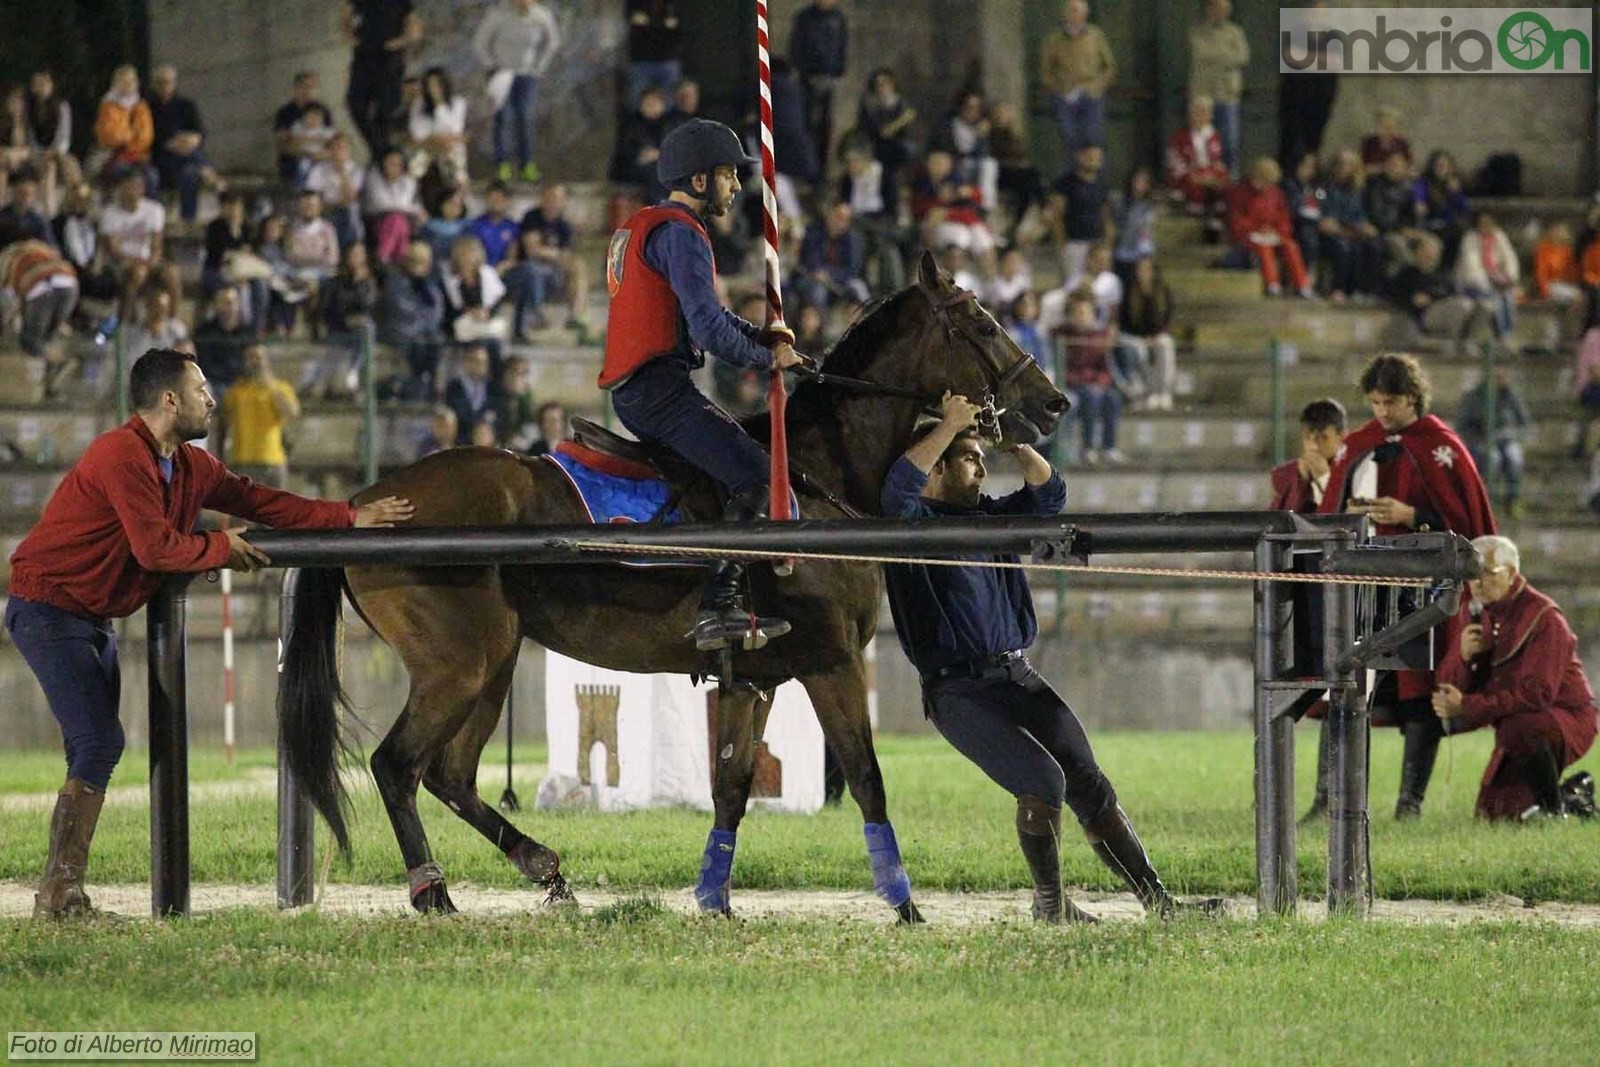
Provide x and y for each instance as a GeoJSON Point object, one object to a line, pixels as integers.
{"type": "Point", "coordinates": [878, 327]}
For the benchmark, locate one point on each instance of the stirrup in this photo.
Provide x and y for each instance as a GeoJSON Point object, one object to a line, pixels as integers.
{"type": "Point", "coordinates": [715, 631]}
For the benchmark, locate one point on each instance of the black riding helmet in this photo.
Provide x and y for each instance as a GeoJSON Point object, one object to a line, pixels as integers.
{"type": "Point", "coordinates": [699, 145]}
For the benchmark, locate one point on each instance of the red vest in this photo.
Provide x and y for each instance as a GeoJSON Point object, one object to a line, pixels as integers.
{"type": "Point", "coordinates": [643, 322]}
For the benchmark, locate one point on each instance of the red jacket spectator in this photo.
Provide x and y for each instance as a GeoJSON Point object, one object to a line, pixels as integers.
{"type": "Point", "coordinates": [1088, 360]}
{"type": "Point", "coordinates": [1256, 210]}
{"type": "Point", "coordinates": [1196, 168]}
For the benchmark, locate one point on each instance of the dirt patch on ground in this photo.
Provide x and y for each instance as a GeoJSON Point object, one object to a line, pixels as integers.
{"type": "Point", "coordinates": [952, 909]}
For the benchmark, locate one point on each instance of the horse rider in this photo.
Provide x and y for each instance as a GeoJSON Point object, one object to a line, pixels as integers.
{"type": "Point", "coordinates": [664, 317]}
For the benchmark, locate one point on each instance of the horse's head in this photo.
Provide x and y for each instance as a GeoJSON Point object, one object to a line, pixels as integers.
{"type": "Point", "coordinates": [973, 356]}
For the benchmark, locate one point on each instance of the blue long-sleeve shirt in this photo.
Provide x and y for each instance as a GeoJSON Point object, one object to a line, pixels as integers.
{"type": "Point", "coordinates": [681, 256]}
{"type": "Point", "coordinates": [949, 615]}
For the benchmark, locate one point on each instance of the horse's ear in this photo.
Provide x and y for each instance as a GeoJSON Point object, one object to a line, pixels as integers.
{"type": "Point", "coordinates": [929, 273]}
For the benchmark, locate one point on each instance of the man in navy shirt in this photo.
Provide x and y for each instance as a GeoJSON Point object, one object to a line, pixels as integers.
{"type": "Point", "coordinates": [966, 629]}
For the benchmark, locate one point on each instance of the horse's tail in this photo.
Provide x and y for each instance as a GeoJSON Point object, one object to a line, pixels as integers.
{"type": "Point", "coordinates": [310, 696]}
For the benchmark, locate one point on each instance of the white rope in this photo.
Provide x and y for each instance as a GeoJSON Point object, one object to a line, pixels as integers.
{"type": "Point", "coordinates": [611, 548]}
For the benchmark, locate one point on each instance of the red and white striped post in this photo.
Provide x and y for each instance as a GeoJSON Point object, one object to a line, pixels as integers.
{"type": "Point", "coordinates": [778, 396]}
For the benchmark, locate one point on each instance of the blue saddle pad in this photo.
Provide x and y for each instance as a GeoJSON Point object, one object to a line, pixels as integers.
{"type": "Point", "coordinates": [612, 498]}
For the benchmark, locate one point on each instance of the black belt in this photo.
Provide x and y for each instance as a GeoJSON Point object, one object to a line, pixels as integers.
{"type": "Point", "coordinates": [999, 666]}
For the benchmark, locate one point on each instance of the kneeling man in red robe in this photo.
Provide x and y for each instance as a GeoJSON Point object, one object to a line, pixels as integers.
{"type": "Point", "coordinates": [1517, 670]}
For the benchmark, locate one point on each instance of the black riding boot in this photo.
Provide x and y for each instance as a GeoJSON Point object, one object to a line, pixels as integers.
{"type": "Point", "coordinates": [722, 618]}
{"type": "Point", "coordinates": [1422, 738]}
{"type": "Point", "coordinates": [1542, 771]}
{"type": "Point", "coordinates": [1319, 803]}
{"type": "Point", "coordinates": [1120, 849]}
{"type": "Point", "coordinates": [1039, 834]}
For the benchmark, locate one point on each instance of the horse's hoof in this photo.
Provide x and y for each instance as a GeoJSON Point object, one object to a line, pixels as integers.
{"type": "Point", "coordinates": [535, 861]}
{"type": "Point", "coordinates": [909, 914]}
{"type": "Point", "coordinates": [558, 894]}
{"type": "Point", "coordinates": [433, 899]}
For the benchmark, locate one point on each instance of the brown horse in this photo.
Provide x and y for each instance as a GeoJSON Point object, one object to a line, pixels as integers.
{"type": "Point", "coordinates": [458, 630]}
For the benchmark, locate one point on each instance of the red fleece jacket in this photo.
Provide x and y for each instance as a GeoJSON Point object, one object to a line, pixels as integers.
{"type": "Point", "coordinates": [113, 529]}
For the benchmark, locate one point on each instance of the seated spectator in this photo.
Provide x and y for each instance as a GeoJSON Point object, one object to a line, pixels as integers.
{"type": "Point", "coordinates": [810, 329]}
{"type": "Point", "coordinates": [1102, 284]}
{"type": "Point", "coordinates": [730, 244]}
{"type": "Point", "coordinates": [1197, 171]}
{"type": "Point", "coordinates": [442, 432]}
{"type": "Point", "coordinates": [287, 287]}
{"type": "Point", "coordinates": [447, 220]}
{"type": "Point", "coordinates": [16, 142]}
{"type": "Point", "coordinates": [1556, 278]}
{"type": "Point", "coordinates": [22, 219]}
{"type": "Point", "coordinates": [50, 126]}
{"type": "Point", "coordinates": [124, 131]}
{"type": "Point", "coordinates": [1428, 294]}
{"type": "Point", "coordinates": [1080, 207]}
{"type": "Point", "coordinates": [179, 142]}
{"type": "Point", "coordinates": [861, 186]}
{"type": "Point", "coordinates": [1487, 270]}
{"type": "Point", "coordinates": [950, 211]}
{"type": "Point", "coordinates": [889, 124]}
{"type": "Point", "coordinates": [1518, 671]}
{"type": "Point", "coordinates": [1018, 184]}
{"type": "Point", "coordinates": [349, 308]}
{"type": "Point", "coordinates": [131, 229]}
{"type": "Point", "coordinates": [339, 179]}
{"type": "Point", "coordinates": [220, 341]}
{"type": "Point", "coordinates": [1086, 362]}
{"type": "Point", "coordinates": [685, 103]}
{"type": "Point", "coordinates": [42, 288]}
{"type": "Point", "coordinates": [231, 259]}
{"type": "Point", "coordinates": [516, 416]}
{"type": "Point", "coordinates": [255, 411]}
{"type": "Point", "coordinates": [639, 138]}
{"type": "Point", "coordinates": [1134, 220]}
{"type": "Point", "coordinates": [833, 260]}
{"type": "Point", "coordinates": [1306, 195]}
{"type": "Point", "coordinates": [959, 266]}
{"type": "Point", "coordinates": [468, 393]}
{"type": "Point", "coordinates": [1298, 484]}
{"type": "Point", "coordinates": [1144, 328]}
{"type": "Point", "coordinates": [1350, 242]}
{"type": "Point", "coordinates": [553, 428]}
{"type": "Point", "coordinates": [160, 327]}
{"type": "Point", "coordinates": [437, 126]}
{"type": "Point", "coordinates": [1442, 207]}
{"type": "Point", "coordinates": [965, 135]}
{"type": "Point", "coordinates": [1012, 278]}
{"type": "Point", "coordinates": [741, 391]}
{"type": "Point", "coordinates": [1393, 213]}
{"type": "Point", "coordinates": [1586, 391]}
{"type": "Point", "coordinates": [390, 205]}
{"type": "Point", "coordinates": [312, 249]}
{"type": "Point", "coordinates": [1022, 323]}
{"type": "Point", "coordinates": [495, 229]}
{"type": "Point", "coordinates": [473, 289]}
{"type": "Point", "coordinates": [1500, 450]}
{"type": "Point", "coordinates": [412, 318]}
{"type": "Point", "coordinates": [1258, 226]}
{"type": "Point", "coordinates": [549, 260]}
{"type": "Point", "coordinates": [485, 433]}
{"type": "Point", "coordinates": [1385, 141]}
{"type": "Point", "coordinates": [76, 234]}
{"type": "Point", "coordinates": [302, 128]}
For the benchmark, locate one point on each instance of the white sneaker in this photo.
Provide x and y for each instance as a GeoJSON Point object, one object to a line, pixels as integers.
{"type": "Point", "coordinates": [1091, 457]}
{"type": "Point", "coordinates": [1114, 456]}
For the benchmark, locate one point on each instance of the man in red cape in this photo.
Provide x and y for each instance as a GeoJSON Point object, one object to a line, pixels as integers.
{"type": "Point", "coordinates": [1518, 671]}
{"type": "Point", "coordinates": [1408, 472]}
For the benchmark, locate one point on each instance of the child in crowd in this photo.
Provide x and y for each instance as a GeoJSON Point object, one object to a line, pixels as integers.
{"type": "Point", "coordinates": [1011, 280]}
{"type": "Point", "coordinates": [1146, 318]}
{"type": "Point", "coordinates": [1085, 354]}
{"type": "Point", "coordinates": [1135, 218]}
{"type": "Point", "coordinates": [1022, 323]}
{"type": "Point", "coordinates": [951, 211]}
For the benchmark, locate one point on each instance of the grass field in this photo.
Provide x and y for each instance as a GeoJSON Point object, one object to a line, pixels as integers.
{"type": "Point", "coordinates": [636, 983]}
{"type": "Point", "coordinates": [1189, 794]}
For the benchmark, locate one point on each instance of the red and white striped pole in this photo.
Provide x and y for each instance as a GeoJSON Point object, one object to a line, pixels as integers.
{"type": "Point", "coordinates": [778, 396]}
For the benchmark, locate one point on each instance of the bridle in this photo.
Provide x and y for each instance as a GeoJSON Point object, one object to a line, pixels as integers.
{"type": "Point", "coordinates": [997, 378]}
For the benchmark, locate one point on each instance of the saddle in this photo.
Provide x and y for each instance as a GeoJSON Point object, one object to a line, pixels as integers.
{"type": "Point", "coordinates": [697, 494]}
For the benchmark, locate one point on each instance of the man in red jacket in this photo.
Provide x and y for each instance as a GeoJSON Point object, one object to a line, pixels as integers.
{"type": "Point", "coordinates": [1409, 472]}
{"type": "Point", "coordinates": [118, 523]}
{"type": "Point", "coordinates": [1518, 671]}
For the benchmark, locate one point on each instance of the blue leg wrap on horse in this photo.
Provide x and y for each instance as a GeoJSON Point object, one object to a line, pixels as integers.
{"type": "Point", "coordinates": [716, 871]}
{"type": "Point", "coordinates": [889, 878]}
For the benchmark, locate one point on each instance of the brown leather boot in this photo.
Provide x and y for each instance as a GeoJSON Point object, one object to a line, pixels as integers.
{"type": "Point", "coordinates": [61, 894]}
{"type": "Point", "coordinates": [1119, 848]}
{"type": "Point", "coordinates": [1039, 833]}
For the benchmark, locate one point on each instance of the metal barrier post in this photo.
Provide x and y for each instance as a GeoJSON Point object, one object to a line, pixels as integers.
{"type": "Point", "coordinates": [1348, 735]}
{"type": "Point", "coordinates": [296, 830]}
{"type": "Point", "coordinates": [1277, 880]}
{"type": "Point", "coordinates": [369, 406]}
{"type": "Point", "coordinates": [167, 640]}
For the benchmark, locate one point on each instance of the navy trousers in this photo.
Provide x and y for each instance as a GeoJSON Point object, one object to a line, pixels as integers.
{"type": "Point", "coordinates": [75, 660]}
{"type": "Point", "coordinates": [660, 403]}
{"type": "Point", "coordinates": [1024, 736]}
